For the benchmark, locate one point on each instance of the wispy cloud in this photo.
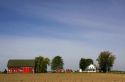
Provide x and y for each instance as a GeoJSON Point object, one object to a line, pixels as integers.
{"type": "Point", "coordinates": [97, 19]}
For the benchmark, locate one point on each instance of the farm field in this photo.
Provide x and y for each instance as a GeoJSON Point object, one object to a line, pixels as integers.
{"type": "Point", "coordinates": [63, 77]}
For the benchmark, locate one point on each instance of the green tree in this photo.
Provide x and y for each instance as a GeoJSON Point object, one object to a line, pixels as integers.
{"type": "Point", "coordinates": [106, 60]}
{"type": "Point", "coordinates": [57, 63]}
{"type": "Point", "coordinates": [41, 64]}
{"type": "Point", "coordinates": [84, 63]}
{"type": "Point", "coordinates": [89, 61]}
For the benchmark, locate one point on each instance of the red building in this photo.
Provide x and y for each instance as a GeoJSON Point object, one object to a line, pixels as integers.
{"type": "Point", "coordinates": [21, 66]}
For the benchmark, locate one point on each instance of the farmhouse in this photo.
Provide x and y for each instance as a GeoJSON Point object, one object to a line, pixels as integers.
{"type": "Point", "coordinates": [21, 66]}
{"type": "Point", "coordinates": [91, 68]}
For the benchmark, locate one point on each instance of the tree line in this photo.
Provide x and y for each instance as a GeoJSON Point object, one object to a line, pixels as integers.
{"type": "Point", "coordinates": [105, 61]}
{"type": "Point", "coordinates": [41, 64]}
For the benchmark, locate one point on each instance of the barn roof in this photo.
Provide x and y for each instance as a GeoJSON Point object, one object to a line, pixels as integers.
{"type": "Point", "coordinates": [21, 63]}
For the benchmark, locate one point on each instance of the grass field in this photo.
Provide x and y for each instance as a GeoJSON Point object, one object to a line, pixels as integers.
{"type": "Point", "coordinates": [63, 77]}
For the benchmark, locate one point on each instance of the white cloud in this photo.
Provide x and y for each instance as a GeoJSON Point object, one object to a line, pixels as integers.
{"type": "Point", "coordinates": [107, 20]}
{"type": "Point", "coordinates": [73, 18]}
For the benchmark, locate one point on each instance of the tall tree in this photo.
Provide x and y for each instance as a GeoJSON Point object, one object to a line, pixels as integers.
{"type": "Point", "coordinates": [84, 63]}
{"type": "Point", "coordinates": [57, 63]}
{"type": "Point", "coordinates": [106, 60]}
{"type": "Point", "coordinates": [41, 64]}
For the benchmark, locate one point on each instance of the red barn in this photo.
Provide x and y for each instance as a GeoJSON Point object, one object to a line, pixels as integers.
{"type": "Point", "coordinates": [21, 66]}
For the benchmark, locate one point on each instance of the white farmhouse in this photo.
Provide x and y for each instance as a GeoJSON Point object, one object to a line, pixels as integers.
{"type": "Point", "coordinates": [91, 68]}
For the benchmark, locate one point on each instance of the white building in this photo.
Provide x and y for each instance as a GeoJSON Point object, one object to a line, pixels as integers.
{"type": "Point", "coordinates": [91, 68]}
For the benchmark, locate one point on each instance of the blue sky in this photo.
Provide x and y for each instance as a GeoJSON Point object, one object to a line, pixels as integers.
{"type": "Point", "coordinates": [69, 28]}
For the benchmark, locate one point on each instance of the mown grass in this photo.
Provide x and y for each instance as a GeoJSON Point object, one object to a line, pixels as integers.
{"type": "Point", "coordinates": [63, 77]}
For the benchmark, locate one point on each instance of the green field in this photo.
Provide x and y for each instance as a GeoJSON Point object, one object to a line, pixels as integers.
{"type": "Point", "coordinates": [63, 77]}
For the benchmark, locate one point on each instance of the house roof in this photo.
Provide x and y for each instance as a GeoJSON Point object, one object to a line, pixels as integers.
{"type": "Point", "coordinates": [91, 66]}
{"type": "Point", "coordinates": [21, 63]}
